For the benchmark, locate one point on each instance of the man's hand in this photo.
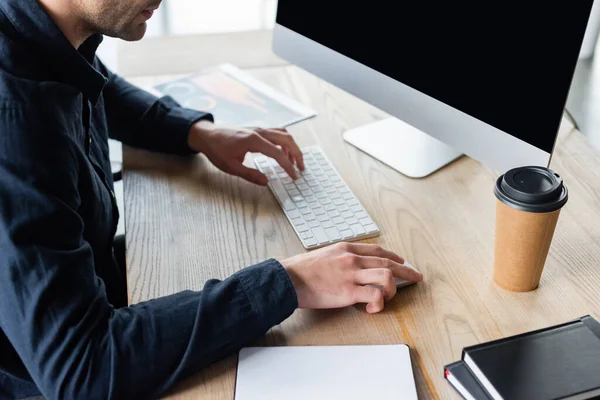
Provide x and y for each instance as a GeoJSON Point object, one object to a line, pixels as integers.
{"type": "Point", "coordinates": [345, 274]}
{"type": "Point", "coordinates": [226, 148]}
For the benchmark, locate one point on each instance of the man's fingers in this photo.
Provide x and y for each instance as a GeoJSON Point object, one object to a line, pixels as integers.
{"type": "Point", "coordinates": [373, 296]}
{"type": "Point", "coordinates": [363, 249]}
{"type": "Point", "coordinates": [250, 174]}
{"type": "Point", "coordinates": [264, 146]}
{"type": "Point", "coordinates": [381, 277]}
{"type": "Point", "coordinates": [282, 138]}
{"type": "Point", "coordinates": [398, 270]}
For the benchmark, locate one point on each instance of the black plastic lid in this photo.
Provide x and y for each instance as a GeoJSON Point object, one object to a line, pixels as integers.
{"type": "Point", "coordinates": [531, 189]}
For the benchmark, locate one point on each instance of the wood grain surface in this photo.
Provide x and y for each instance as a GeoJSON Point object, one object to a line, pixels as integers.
{"type": "Point", "coordinates": [187, 222]}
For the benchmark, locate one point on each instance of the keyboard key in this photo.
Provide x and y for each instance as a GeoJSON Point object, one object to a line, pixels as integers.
{"type": "Point", "coordinates": [327, 224]}
{"type": "Point", "coordinates": [302, 228]}
{"type": "Point", "coordinates": [357, 229]}
{"type": "Point", "coordinates": [288, 204]}
{"type": "Point", "coordinates": [352, 202]}
{"type": "Point", "coordinates": [320, 235]}
{"type": "Point", "coordinates": [329, 207]}
{"type": "Point", "coordinates": [302, 186]}
{"type": "Point", "coordinates": [337, 220]}
{"type": "Point", "coordinates": [301, 204]}
{"type": "Point", "coordinates": [310, 198]}
{"type": "Point", "coordinates": [343, 226]}
{"type": "Point", "coordinates": [370, 228]}
{"type": "Point", "coordinates": [348, 196]}
{"type": "Point", "coordinates": [314, 204]}
{"type": "Point", "coordinates": [333, 213]}
{"type": "Point", "coordinates": [294, 214]}
{"type": "Point", "coordinates": [352, 220]}
{"type": "Point", "coordinates": [347, 234]}
{"type": "Point", "coordinates": [305, 211]}
{"type": "Point", "coordinates": [298, 199]}
{"type": "Point", "coordinates": [333, 233]}
{"type": "Point", "coordinates": [310, 217]}
{"type": "Point", "coordinates": [357, 210]}
{"type": "Point", "coordinates": [287, 180]}
{"type": "Point", "coordinates": [293, 192]}
{"type": "Point", "coordinates": [347, 214]}
{"type": "Point", "coordinates": [310, 242]}
{"type": "Point", "coordinates": [360, 214]}
{"type": "Point", "coordinates": [343, 208]}
{"type": "Point", "coordinates": [314, 223]}
{"type": "Point", "coordinates": [339, 202]}
{"type": "Point", "coordinates": [366, 221]}
{"type": "Point", "coordinates": [323, 217]}
{"type": "Point", "coordinates": [319, 211]}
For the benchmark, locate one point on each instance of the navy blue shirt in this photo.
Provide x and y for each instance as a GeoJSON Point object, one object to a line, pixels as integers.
{"type": "Point", "coordinates": [62, 332]}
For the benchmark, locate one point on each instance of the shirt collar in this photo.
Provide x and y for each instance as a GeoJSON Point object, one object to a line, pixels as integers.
{"type": "Point", "coordinates": [44, 37]}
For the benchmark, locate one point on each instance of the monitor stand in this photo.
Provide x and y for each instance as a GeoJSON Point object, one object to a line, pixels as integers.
{"type": "Point", "coordinates": [402, 147]}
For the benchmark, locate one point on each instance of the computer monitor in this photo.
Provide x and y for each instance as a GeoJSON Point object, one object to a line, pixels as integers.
{"type": "Point", "coordinates": [485, 79]}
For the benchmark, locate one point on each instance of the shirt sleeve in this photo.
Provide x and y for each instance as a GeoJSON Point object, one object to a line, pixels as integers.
{"type": "Point", "coordinates": [54, 309]}
{"type": "Point", "coordinates": [139, 119]}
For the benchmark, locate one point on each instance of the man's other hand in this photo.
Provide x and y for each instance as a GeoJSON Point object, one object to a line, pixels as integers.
{"type": "Point", "coordinates": [345, 274]}
{"type": "Point", "coordinates": [226, 148]}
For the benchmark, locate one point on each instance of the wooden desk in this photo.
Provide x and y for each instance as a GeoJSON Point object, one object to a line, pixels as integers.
{"type": "Point", "coordinates": [187, 222]}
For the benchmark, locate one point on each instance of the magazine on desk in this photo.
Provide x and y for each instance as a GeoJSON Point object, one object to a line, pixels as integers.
{"type": "Point", "coordinates": [235, 98]}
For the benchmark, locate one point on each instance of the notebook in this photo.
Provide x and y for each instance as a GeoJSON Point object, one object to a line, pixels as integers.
{"type": "Point", "coordinates": [464, 382]}
{"type": "Point", "coordinates": [559, 362]}
{"type": "Point", "coordinates": [382, 372]}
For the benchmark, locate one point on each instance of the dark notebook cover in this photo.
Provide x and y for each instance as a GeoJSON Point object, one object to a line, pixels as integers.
{"type": "Point", "coordinates": [464, 382]}
{"type": "Point", "coordinates": [551, 363]}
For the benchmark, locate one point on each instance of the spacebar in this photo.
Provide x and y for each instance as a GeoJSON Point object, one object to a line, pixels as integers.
{"type": "Point", "coordinates": [281, 193]}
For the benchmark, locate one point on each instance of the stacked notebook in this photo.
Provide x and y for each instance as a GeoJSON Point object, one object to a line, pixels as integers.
{"type": "Point", "coordinates": [559, 362]}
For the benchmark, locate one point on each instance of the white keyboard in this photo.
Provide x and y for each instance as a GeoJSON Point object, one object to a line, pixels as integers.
{"type": "Point", "coordinates": [319, 204]}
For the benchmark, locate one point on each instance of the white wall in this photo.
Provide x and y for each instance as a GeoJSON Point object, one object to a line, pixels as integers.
{"type": "Point", "coordinates": [591, 35]}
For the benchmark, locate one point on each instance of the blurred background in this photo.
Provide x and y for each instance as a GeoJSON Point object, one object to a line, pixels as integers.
{"type": "Point", "coordinates": [201, 17]}
{"type": "Point", "coordinates": [178, 18]}
{"type": "Point", "coordinates": [189, 17]}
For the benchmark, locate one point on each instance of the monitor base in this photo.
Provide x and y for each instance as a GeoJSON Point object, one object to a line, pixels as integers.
{"type": "Point", "coordinates": [402, 147]}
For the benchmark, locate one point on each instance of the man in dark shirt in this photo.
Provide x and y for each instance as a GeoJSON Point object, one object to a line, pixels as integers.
{"type": "Point", "coordinates": [66, 331]}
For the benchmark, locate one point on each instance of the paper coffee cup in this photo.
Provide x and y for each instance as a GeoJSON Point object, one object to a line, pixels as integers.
{"type": "Point", "coordinates": [529, 200]}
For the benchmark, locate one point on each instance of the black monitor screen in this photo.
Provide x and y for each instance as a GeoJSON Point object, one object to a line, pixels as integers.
{"type": "Point", "coordinates": [508, 64]}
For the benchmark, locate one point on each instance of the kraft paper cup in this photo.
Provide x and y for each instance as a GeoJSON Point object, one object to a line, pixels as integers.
{"type": "Point", "coordinates": [529, 201]}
